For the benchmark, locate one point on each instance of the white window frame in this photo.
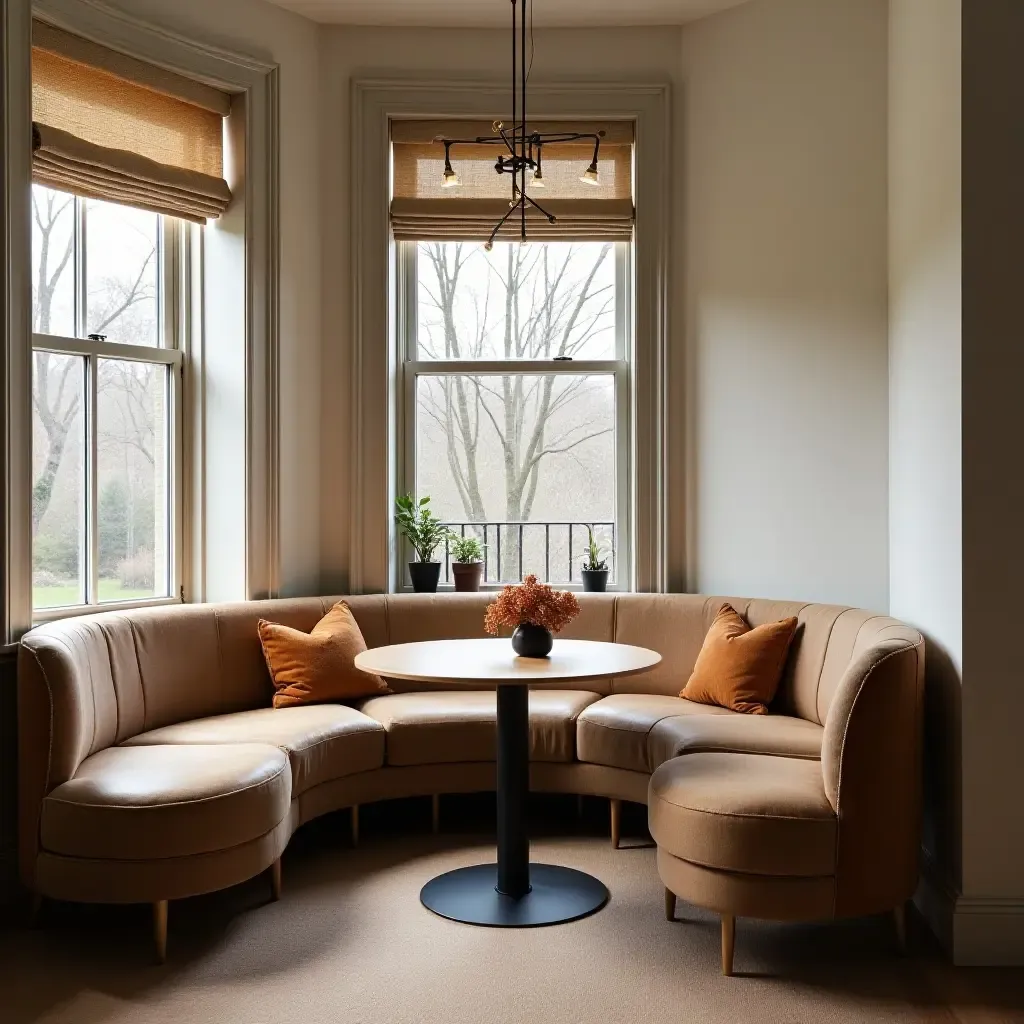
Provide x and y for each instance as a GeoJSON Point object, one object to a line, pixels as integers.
{"type": "Point", "coordinates": [659, 525]}
{"type": "Point", "coordinates": [233, 534]}
{"type": "Point", "coordinates": [410, 367]}
{"type": "Point", "coordinates": [174, 272]}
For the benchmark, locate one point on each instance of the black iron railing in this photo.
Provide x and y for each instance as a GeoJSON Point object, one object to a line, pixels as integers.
{"type": "Point", "coordinates": [508, 555]}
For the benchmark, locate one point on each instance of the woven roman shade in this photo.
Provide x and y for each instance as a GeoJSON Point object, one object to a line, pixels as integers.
{"type": "Point", "coordinates": [423, 210]}
{"type": "Point", "coordinates": [106, 126]}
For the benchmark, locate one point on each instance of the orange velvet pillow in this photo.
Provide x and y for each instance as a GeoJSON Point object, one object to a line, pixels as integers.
{"type": "Point", "coordinates": [317, 667]}
{"type": "Point", "coordinates": [738, 667]}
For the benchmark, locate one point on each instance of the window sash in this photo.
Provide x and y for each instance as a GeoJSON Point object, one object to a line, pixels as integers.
{"type": "Point", "coordinates": [174, 275]}
{"type": "Point", "coordinates": [410, 368]}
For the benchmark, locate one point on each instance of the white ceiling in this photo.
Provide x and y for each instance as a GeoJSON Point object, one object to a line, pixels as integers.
{"type": "Point", "coordinates": [498, 14]}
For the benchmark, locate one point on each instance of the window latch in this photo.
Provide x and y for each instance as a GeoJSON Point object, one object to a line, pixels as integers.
{"type": "Point", "coordinates": [563, 359]}
{"type": "Point", "coordinates": [97, 337]}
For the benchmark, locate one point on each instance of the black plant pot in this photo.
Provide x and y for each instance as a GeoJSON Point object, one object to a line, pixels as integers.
{"type": "Point", "coordinates": [595, 581]}
{"type": "Point", "coordinates": [424, 576]}
{"type": "Point", "coordinates": [530, 641]}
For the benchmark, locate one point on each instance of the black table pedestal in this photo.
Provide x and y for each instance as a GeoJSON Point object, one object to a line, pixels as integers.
{"type": "Point", "coordinates": [513, 893]}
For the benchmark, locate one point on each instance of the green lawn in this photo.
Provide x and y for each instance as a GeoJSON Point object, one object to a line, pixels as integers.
{"type": "Point", "coordinates": [57, 597]}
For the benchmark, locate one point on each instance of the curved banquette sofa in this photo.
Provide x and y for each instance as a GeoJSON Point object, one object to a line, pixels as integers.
{"type": "Point", "coordinates": [153, 767]}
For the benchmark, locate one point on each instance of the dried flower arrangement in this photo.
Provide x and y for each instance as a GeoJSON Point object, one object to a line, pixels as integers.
{"type": "Point", "coordinates": [531, 602]}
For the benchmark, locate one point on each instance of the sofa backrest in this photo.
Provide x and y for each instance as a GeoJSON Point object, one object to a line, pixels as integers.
{"type": "Point", "coordinates": [101, 679]}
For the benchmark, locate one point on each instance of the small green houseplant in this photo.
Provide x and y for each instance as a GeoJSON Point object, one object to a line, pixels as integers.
{"type": "Point", "coordinates": [425, 533]}
{"type": "Point", "coordinates": [595, 565]}
{"type": "Point", "coordinates": [467, 554]}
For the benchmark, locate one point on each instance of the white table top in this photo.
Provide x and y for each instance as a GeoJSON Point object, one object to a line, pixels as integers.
{"type": "Point", "coordinates": [462, 662]}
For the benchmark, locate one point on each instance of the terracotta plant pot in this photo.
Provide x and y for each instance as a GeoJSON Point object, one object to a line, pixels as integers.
{"type": "Point", "coordinates": [530, 641]}
{"type": "Point", "coordinates": [424, 576]}
{"type": "Point", "coordinates": [595, 581]}
{"type": "Point", "coordinates": [467, 576]}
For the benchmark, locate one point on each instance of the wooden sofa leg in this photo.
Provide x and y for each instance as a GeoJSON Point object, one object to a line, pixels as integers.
{"type": "Point", "coordinates": [160, 930]}
{"type": "Point", "coordinates": [355, 824]}
{"type": "Point", "coordinates": [275, 879]}
{"type": "Point", "coordinates": [728, 943]}
{"type": "Point", "coordinates": [616, 809]}
{"type": "Point", "coordinates": [899, 917]}
{"type": "Point", "coordinates": [435, 813]}
{"type": "Point", "coordinates": [670, 905]}
{"type": "Point", "coordinates": [35, 909]}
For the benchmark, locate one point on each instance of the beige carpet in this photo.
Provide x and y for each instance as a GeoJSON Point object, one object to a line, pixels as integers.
{"type": "Point", "coordinates": [350, 943]}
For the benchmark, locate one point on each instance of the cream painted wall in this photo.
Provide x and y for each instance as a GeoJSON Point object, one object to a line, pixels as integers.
{"type": "Point", "coordinates": [925, 491]}
{"type": "Point", "coordinates": [260, 29]}
{"type": "Point", "coordinates": [778, 277]}
{"type": "Point", "coordinates": [784, 309]}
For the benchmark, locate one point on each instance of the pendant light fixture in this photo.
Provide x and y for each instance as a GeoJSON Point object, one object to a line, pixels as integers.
{"type": "Point", "coordinates": [521, 148]}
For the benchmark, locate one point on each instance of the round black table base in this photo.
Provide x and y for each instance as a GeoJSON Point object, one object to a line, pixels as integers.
{"type": "Point", "coordinates": [556, 895]}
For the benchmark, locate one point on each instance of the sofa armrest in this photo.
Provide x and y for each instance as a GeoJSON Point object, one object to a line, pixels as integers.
{"type": "Point", "coordinates": [66, 710]}
{"type": "Point", "coordinates": [871, 763]}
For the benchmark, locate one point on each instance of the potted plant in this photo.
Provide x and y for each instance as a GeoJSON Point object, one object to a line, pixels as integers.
{"type": "Point", "coordinates": [425, 532]}
{"type": "Point", "coordinates": [535, 611]}
{"type": "Point", "coordinates": [595, 566]}
{"type": "Point", "coordinates": [467, 562]}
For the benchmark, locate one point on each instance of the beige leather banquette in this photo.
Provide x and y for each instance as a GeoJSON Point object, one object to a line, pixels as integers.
{"type": "Point", "coordinates": [153, 766]}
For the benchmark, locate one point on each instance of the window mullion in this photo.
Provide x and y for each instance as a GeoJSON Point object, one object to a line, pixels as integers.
{"type": "Point", "coordinates": [92, 490]}
{"type": "Point", "coordinates": [81, 311]}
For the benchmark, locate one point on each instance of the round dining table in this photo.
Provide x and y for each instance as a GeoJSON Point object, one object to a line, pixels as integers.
{"type": "Point", "coordinates": [513, 891]}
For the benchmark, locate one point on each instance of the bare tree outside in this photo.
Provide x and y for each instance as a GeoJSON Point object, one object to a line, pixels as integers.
{"type": "Point", "coordinates": [119, 300]}
{"type": "Point", "coordinates": [507, 440]}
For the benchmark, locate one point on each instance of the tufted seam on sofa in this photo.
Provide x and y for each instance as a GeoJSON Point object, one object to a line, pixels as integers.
{"type": "Point", "coordinates": [181, 803]}
{"type": "Point", "coordinates": [735, 872]}
{"type": "Point", "coordinates": [824, 658]}
{"type": "Point", "coordinates": [635, 732]}
{"type": "Point", "coordinates": [734, 749]}
{"type": "Point", "coordinates": [49, 698]}
{"type": "Point", "coordinates": [183, 856]}
{"type": "Point", "coordinates": [138, 665]}
{"type": "Point", "coordinates": [747, 816]}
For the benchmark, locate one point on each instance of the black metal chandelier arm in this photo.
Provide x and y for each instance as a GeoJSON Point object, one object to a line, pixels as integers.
{"type": "Point", "coordinates": [533, 202]}
{"type": "Point", "coordinates": [536, 139]}
{"type": "Point", "coordinates": [489, 244]}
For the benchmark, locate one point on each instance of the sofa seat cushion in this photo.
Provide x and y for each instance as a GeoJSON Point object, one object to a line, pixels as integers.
{"type": "Point", "coordinates": [322, 741]}
{"type": "Point", "coordinates": [144, 803]}
{"type": "Point", "coordinates": [751, 813]}
{"type": "Point", "coordinates": [613, 731]}
{"type": "Point", "coordinates": [739, 734]}
{"type": "Point", "coordinates": [459, 725]}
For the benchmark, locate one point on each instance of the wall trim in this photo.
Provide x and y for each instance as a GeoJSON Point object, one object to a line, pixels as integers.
{"type": "Point", "coordinates": [15, 318]}
{"type": "Point", "coordinates": [374, 101]}
{"type": "Point", "coordinates": [254, 82]}
{"type": "Point", "coordinates": [975, 931]}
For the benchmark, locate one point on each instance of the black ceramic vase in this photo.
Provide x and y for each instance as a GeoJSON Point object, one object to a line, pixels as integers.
{"type": "Point", "coordinates": [424, 576]}
{"type": "Point", "coordinates": [530, 641]}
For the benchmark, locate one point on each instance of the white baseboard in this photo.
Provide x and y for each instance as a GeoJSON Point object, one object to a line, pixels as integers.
{"type": "Point", "coordinates": [976, 931]}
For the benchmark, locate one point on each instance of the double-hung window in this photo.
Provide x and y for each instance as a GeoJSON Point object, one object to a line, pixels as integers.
{"type": "Point", "coordinates": [514, 382]}
{"type": "Point", "coordinates": [127, 162]}
{"type": "Point", "coordinates": [106, 402]}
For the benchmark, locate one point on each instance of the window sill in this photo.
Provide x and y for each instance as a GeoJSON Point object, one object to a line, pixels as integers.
{"type": "Point", "coordinates": [496, 588]}
{"type": "Point", "coordinates": [74, 610]}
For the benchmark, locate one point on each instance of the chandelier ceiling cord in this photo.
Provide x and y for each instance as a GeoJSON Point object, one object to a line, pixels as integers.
{"type": "Point", "coordinates": [523, 148]}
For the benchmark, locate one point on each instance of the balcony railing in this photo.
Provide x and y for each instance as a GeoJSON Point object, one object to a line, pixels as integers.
{"type": "Point", "coordinates": [516, 549]}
